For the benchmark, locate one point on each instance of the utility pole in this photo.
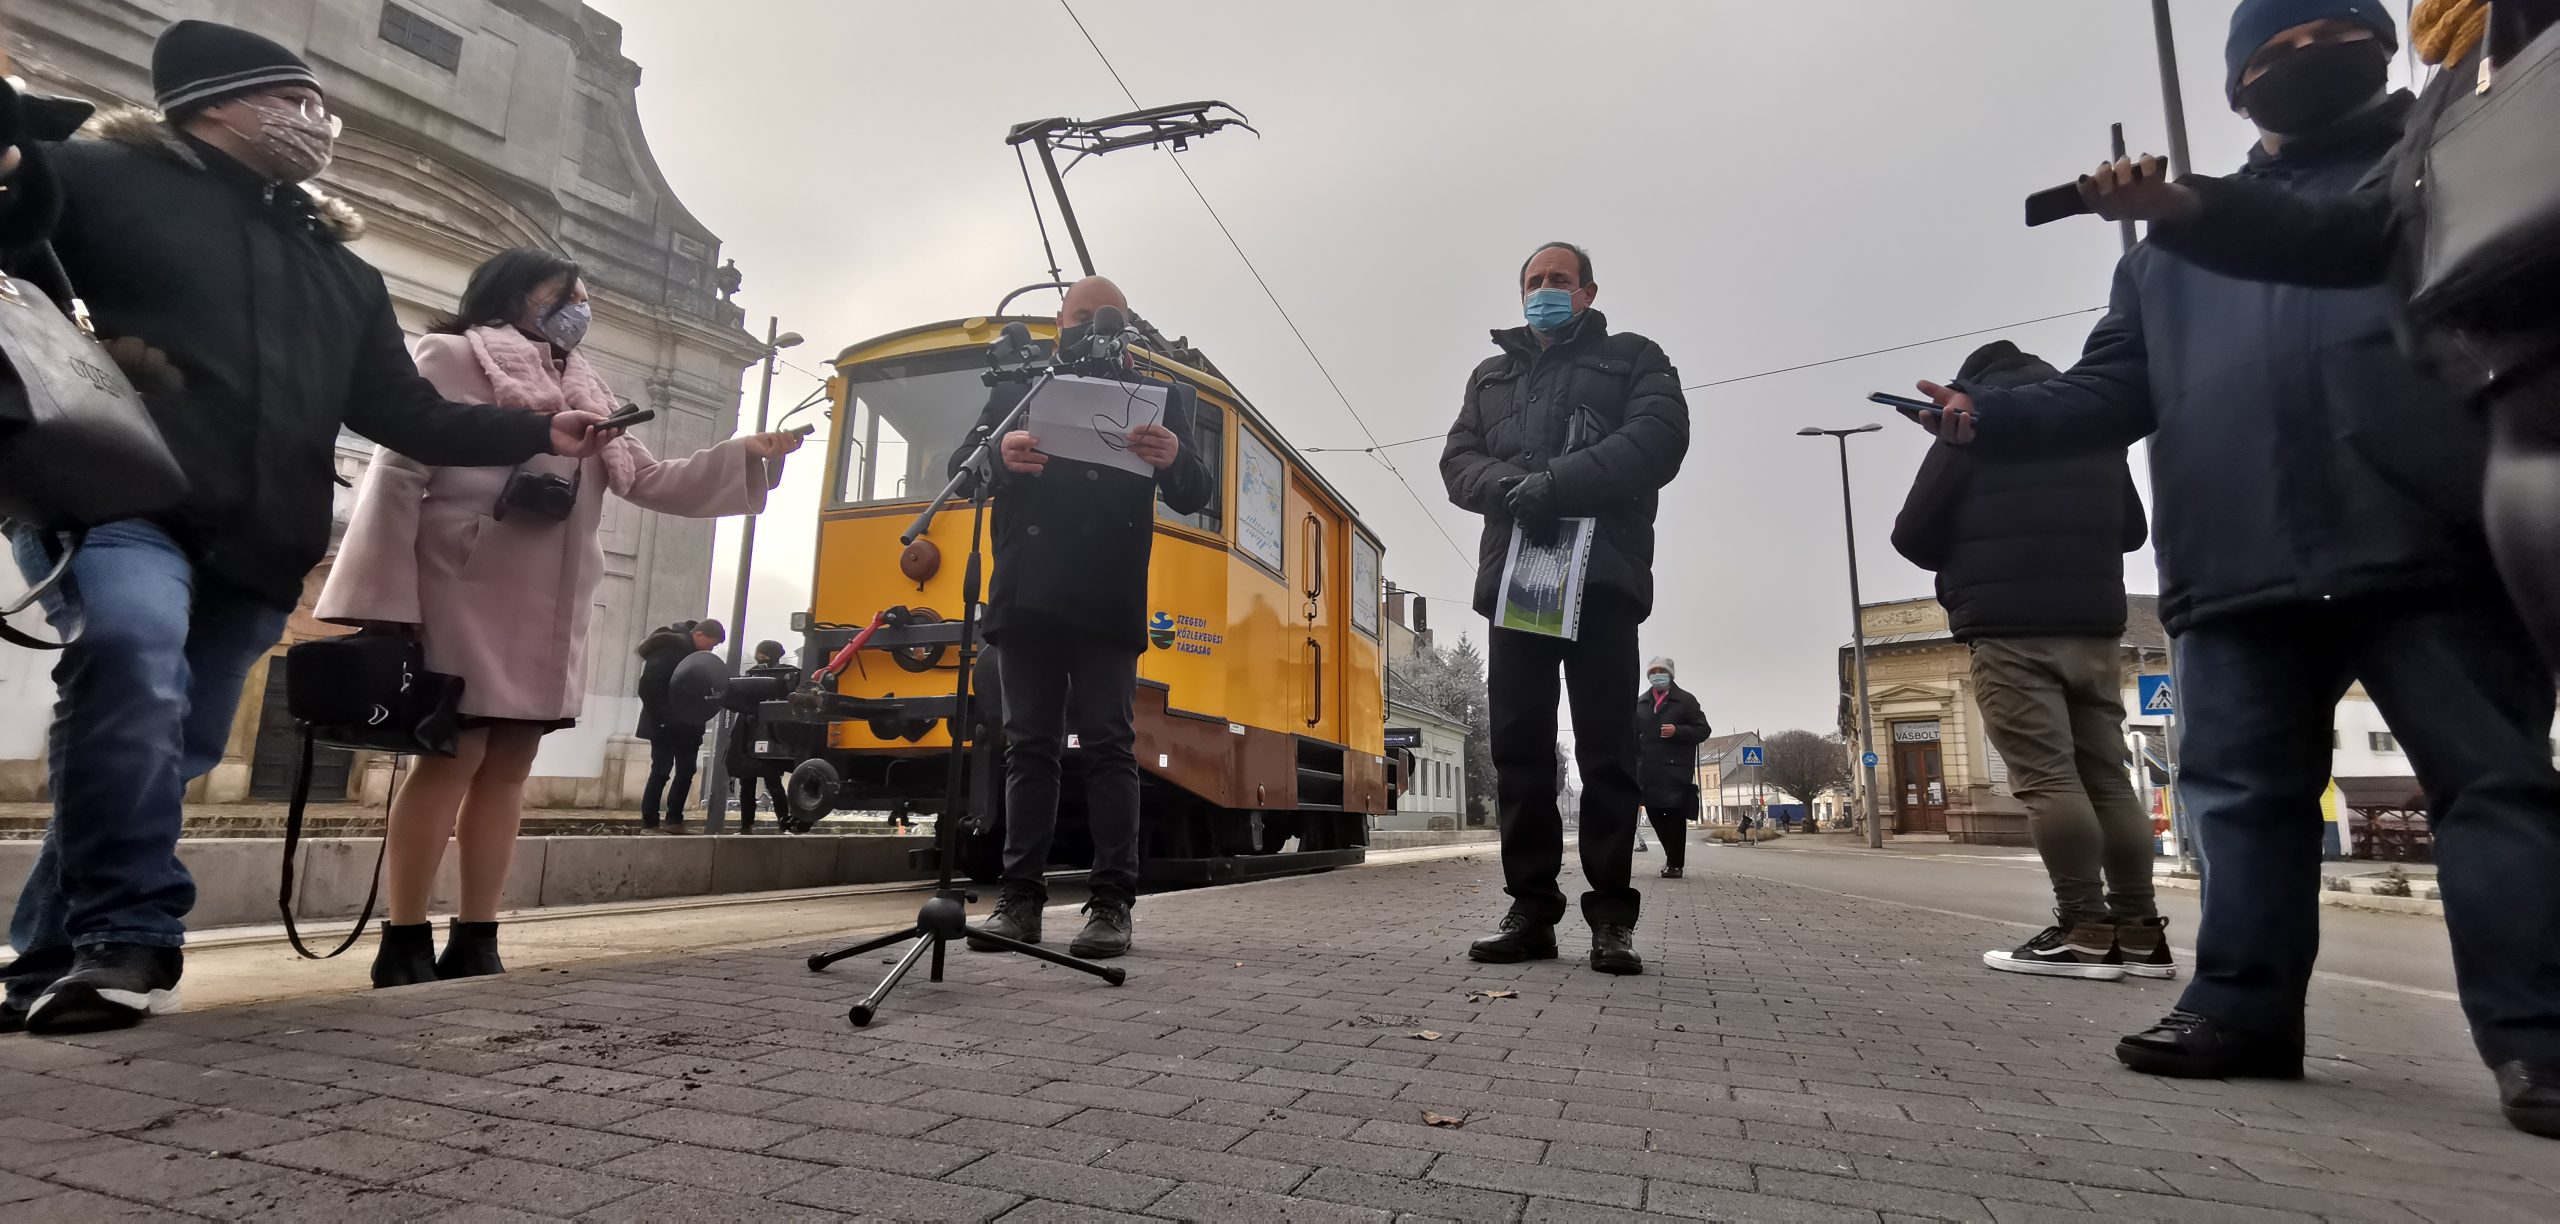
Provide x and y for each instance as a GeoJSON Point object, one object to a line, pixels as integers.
{"type": "Point", "coordinates": [1857, 624]}
{"type": "Point", "coordinates": [2172, 99]}
{"type": "Point", "coordinates": [715, 797]}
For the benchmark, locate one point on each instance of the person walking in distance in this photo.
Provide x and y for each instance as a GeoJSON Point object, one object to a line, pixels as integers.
{"type": "Point", "coordinates": [227, 288]}
{"type": "Point", "coordinates": [749, 768]}
{"type": "Point", "coordinates": [495, 570]}
{"type": "Point", "coordinates": [1568, 419]}
{"type": "Point", "coordinates": [2029, 556]}
{"type": "Point", "coordinates": [674, 744]}
{"type": "Point", "coordinates": [1670, 725]}
{"type": "Point", "coordinates": [2318, 519]}
{"type": "Point", "coordinates": [1067, 616]}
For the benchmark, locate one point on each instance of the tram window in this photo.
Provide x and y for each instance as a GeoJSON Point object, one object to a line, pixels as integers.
{"type": "Point", "coordinates": [905, 419]}
{"type": "Point", "coordinates": [1209, 441]}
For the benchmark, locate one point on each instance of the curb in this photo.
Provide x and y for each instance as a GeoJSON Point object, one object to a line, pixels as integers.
{"type": "Point", "coordinates": [2417, 906]}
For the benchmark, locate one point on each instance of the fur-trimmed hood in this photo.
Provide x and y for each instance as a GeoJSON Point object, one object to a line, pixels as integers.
{"type": "Point", "coordinates": [138, 128]}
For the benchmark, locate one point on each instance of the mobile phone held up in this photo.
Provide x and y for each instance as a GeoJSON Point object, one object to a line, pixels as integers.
{"type": "Point", "coordinates": [1907, 406]}
{"type": "Point", "coordinates": [2055, 203]}
{"type": "Point", "coordinates": [631, 414]}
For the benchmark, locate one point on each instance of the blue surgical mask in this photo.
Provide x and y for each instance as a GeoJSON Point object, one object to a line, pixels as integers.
{"type": "Point", "coordinates": [1661, 683]}
{"type": "Point", "coordinates": [566, 325]}
{"type": "Point", "coordinates": [1548, 310]}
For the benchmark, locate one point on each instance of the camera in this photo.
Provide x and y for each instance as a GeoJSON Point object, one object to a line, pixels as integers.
{"type": "Point", "coordinates": [539, 495]}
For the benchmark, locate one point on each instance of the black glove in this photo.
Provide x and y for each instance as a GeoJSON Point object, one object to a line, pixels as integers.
{"type": "Point", "coordinates": [1532, 502]}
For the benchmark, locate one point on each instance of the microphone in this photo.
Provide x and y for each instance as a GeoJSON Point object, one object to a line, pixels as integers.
{"type": "Point", "coordinates": [1013, 344]}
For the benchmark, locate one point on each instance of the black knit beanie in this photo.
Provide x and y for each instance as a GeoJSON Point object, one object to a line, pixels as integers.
{"type": "Point", "coordinates": [199, 63]}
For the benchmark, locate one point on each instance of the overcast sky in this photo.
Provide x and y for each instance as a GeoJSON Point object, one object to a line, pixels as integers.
{"type": "Point", "coordinates": [1761, 185]}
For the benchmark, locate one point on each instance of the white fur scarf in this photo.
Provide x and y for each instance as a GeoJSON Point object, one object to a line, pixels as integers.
{"type": "Point", "coordinates": [522, 375]}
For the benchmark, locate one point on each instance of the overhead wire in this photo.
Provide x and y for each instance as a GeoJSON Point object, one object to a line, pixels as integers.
{"type": "Point", "coordinates": [1727, 382]}
{"type": "Point", "coordinates": [1375, 449]}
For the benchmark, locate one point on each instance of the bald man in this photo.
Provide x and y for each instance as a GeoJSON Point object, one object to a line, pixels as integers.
{"type": "Point", "coordinates": [1067, 614]}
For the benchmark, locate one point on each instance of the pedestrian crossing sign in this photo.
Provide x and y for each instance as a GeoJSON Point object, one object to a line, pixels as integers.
{"type": "Point", "coordinates": [2156, 696]}
{"type": "Point", "coordinates": [1751, 755]}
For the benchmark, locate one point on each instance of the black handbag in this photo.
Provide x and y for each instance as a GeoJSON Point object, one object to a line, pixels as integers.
{"type": "Point", "coordinates": [78, 448]}
{"type": "Point", "coordinates": [372, 692]}
{"type": "Point", "coordinates": [2490, 199]}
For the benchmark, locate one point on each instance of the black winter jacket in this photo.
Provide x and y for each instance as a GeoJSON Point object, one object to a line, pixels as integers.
{"type": "Point", "coordinates": [2296, 454]}
{"type": "Point", "coordinates": [280, 334]}
{"type": "Point", "coordinates": [2373, 235]}
{"type": "Point", "coordinates": [1672, 762]}
{"type": "Point", "coordinates": [660, 652]}
{"type": "Point", "coordinates": [1073, 544]}
{"type": "Point", "coordinates": [1518, 418]}
{"type": "Point", "coordinates": [2031, 548]}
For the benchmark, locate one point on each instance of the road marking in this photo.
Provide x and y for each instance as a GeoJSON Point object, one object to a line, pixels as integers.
{"type": "Point", "coordinates": [2342, 979]}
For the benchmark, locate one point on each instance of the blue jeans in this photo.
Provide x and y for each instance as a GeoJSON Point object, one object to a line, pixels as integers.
{"type": "Point", "coordinates": [143, 705]}
{"type": "Point", "coordinates": [2460, 684]}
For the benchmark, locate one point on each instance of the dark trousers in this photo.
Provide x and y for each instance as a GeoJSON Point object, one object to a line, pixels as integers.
{"type": "Point", "coordinates": [774, 776]}
{"type": "Point", "coordinates": [671, 757]}
{"type": "Point", "coordinates": [1055, 681]}
{"type": "Point", "coordinates": [1671, 824]}
{"type": "Point", "coordinates": [2054, 707]}
{"type": "Point", "coordinates": [2458, 680]}
{"type": "Point", "coordinates": [1598, 671]}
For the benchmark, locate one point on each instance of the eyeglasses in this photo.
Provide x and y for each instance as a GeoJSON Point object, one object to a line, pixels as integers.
{"type": "Point", "coordinates": [312, 110]}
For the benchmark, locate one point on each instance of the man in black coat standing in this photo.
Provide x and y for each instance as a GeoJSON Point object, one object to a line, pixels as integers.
{"type": "Point", "coordinates": [2318, 520]}
{"type": "Point", "coordinates": [674, 745]}
{"type": "Point", "coordinates": [1569, 420]}
{"type": "Point", "coordinates": [1670, 724]}
{"type": "Point", "coordinates": [1067, 614]}
{"type": "Point", "coordinates": [226, 287]}
{"type": "Point", "coordinates": [2030, 563]}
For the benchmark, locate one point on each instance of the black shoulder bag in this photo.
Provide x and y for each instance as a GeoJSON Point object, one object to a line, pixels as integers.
{"type": "Point", "coordinates": [78, 448]}
{"type": "Point", "coordinates": [2490, 199]}
{"type": "Point", "coordinates": [372, 692]}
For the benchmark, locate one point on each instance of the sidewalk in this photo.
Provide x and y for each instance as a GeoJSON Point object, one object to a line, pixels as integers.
{"type": "Point", "coordinates": [1282, 1051]}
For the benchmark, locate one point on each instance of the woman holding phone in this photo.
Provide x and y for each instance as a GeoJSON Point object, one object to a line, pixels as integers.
{"type": "Point", "coordinates": [496, 570]}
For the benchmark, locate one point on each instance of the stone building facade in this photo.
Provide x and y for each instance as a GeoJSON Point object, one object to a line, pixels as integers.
{"type": "Point", "coordinates": [471, 126]}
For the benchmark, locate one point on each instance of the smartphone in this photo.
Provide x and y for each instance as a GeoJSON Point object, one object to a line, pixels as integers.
{"type": "Point", "coordinates": [1905, 404]}
{"type": "Point", "coordinates": [804, 430]}
{"type": "Point", "coordinates": [631, 414]}
{"type": "Point", "coordinates": [2055, 203]}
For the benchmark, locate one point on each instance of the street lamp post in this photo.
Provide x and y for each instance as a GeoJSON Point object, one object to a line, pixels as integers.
{"type": "Point", "coordinates": [1857, 624]}
{"type": "Point", "coordinates": [715, 801]}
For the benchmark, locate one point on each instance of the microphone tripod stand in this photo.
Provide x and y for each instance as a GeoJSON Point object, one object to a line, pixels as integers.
{"type": "Point", "coordinates": [945, 917]}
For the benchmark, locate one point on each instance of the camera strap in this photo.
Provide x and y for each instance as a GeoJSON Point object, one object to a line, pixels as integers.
{"type": "Point", "coordinates": [61, 551]}
{"type": "Point", "coordinates": [293, 839]}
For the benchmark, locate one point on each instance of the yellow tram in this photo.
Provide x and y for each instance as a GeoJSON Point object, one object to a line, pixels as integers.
{"type": "Point", "coordinates": [1261, 705]}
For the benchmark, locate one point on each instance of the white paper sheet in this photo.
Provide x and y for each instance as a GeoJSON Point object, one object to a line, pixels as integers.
{"type": "Point", "coordinates": [1089, 419]}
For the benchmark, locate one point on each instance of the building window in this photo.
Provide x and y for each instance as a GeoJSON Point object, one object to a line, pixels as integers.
{"type": "Point", "coordinates": [600, 159]}
{"type": "Point", "coordinates": [2383, 741]}
{"type": "Point", "coordinates": [420, 36]}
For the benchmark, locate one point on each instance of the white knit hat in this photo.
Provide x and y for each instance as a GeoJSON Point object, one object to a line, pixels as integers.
{"type": "Point", "coordinates": [1661, 665]}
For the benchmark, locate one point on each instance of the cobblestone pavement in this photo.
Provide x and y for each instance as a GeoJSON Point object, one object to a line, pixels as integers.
{"type": "Point", "coordinates": [1283, 1051]}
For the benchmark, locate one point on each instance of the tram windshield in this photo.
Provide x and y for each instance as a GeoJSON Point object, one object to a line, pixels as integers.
{"type": "Point", "coordinates": [905, 418]}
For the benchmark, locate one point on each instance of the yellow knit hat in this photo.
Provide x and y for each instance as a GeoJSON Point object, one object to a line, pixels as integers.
{"type": "Point", "coordinates": [2446, 30]}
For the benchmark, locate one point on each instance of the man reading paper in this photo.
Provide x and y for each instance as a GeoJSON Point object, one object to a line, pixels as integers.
{"type": "Point", "coordinates": [1067, 615]}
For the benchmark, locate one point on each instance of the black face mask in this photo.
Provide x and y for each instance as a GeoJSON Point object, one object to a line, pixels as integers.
{"type": "Point", "coordinates": [1071, 339]}
{"type": "Point", "coordinates": [2316, 86]}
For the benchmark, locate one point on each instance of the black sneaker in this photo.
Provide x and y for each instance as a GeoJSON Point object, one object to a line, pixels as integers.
{"type": "Point", "coordinates": [2529, 1093]}
{"type": "Point", "coordinates": [2143, 945]}
{"type": "Point", "coordinates": [1613, 949]}
{"type": "Point", "coordinates": [2082, 951]}
{"type": "Point", "coordinates": [1017, 916]}
{"type": "Point", "coordinates": [2184, 1045]}
{"type": "Point", "coordinates": [24, 979]}
{"type": "Point", "coordinates": [1519, 938]}
{"type": "Point", "coordinates": [110, 986]}
{"type": "Point", "coordinates": [1107, 933]}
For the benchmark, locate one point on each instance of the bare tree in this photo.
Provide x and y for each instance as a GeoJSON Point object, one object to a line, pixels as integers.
{"type": "Point", "coordinates": [1451, 680]}
{"type": "Point", "coordinates": [1803, 764]}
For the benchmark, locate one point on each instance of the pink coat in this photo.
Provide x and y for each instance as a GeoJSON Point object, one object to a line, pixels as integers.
{"type": "Point", "coordinates": [506, 603]}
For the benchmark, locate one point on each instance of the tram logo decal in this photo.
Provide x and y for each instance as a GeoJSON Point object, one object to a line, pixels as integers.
{"type": "Point", "coordinates": [1183, 634]}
